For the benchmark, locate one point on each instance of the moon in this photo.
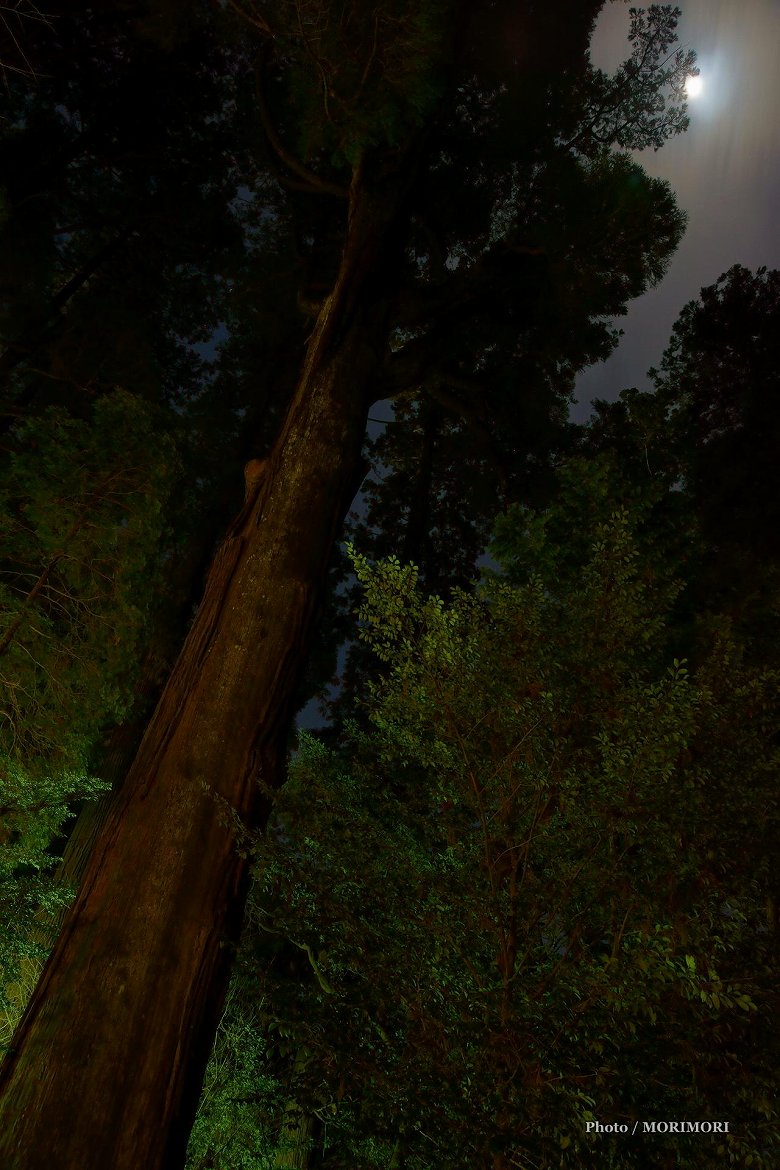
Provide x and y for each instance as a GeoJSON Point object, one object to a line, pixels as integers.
{"type": "Point", "coordinates": [693, 86]}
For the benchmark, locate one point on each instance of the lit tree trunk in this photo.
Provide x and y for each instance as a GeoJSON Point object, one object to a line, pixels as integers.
{"type": "Point", "coordinates": [108, 1060]}
{"type": "Point", "coordinates": [295, 1139]}
{"type": "Point", "coordinates": [297, 1128]}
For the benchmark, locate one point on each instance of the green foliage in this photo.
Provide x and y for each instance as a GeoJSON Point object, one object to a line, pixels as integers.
{"type": "Point", "coordinates": [521, 896]}
{"type": "Point", "coordinates": [233, 1128]}
{"type": "Point", "coordinates": [81, 516]}
{"type": "Point", "coordinates": [81, 513]}
{"type": "Point", "coordinates": [360, 76]}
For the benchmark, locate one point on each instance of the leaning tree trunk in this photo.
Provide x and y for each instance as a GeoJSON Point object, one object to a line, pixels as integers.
{"type": "Point", "coordinates": [108, 1060]}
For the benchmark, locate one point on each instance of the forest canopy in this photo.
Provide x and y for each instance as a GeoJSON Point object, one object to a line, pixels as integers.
{"type": "Point", "coordinates": [523, 878]}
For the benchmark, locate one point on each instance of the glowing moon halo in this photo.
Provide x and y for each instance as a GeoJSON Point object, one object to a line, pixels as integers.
{"type": "Point", "coordinates": [693, 86]}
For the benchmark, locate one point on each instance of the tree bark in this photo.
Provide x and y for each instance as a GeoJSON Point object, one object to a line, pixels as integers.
{"type": "Point", "coordinates": [295, 1136]}
{"type": "Point", "coordinates": [295, 1139]}
{"type": "Point", "coordinates": [108, 1060]}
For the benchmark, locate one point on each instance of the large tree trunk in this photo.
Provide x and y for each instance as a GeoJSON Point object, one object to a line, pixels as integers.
{"type": "Point", "coordinates": [295, 1139]}
{"type": "Point", "coordinates": [108, 1060]}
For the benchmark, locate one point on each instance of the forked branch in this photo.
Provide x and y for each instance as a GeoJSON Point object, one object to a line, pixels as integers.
{"type": "Point", "coordinates": [312, 182]}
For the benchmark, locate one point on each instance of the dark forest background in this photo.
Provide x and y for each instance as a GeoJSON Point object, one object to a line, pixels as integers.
{"type": "Point", "coordinates": [524, 875]}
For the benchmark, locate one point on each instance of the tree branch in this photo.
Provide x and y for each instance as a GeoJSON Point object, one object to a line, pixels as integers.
{"type": "Point", "coordinates": [258, 22]}
{"type": "Point", "coordinates": [313, 182]}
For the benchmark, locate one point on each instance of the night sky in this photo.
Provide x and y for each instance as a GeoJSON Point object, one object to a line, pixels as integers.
{"type": "Point", "coordinates": [725, 171]}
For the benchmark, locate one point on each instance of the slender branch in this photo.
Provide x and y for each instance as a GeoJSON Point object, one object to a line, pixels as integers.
{"type": "Point", "coordinates": [20, 11]}
{"type": "Point", "coordinates": [370, 60]}
{"type": "Point", "coordinates": [258, 22]}
{"type": "Point", "coordinates": [10, 633]}
{"type": "Point", "coordinates": [17, 350]}
{"type": "Point", "coordinates": [321, 978]}
{"type": "Point", "coordinates": [313, 182]}
{"type": "Point", "coordinates": [97, 497]}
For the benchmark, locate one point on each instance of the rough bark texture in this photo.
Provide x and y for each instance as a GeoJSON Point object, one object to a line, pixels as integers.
{"type": "Point", "coordinates": [295, 1140]}
{"type": "Point", "coordinates": [108, 1059]}
{"type": "Point", "coordinates": [297, 1128]}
